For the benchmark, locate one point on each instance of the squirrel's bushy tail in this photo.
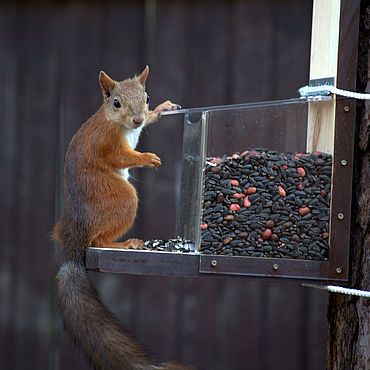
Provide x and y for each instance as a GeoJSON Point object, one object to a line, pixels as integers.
{"type": "Point", "coordinates": [95, 330]}
{"type": "Point", "coordinates": [92, 327]}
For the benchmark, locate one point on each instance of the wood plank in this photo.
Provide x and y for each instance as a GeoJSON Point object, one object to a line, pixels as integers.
{"type": "Point", "coordinates": [324, 39]}
{"type": "Point", "coordinates": [323, 64]}
{"type": "Point", "coordinates": [282, 302]}
{"type": "Point", "coordinates": [142, 262]}
{"type": "Point", "coordinates": [314, 328]}
{"type": "Point", "coordinates": [267, 267]}
{"type": "Point", "coordinates": [207, 64]}
{"type": "Point", "coordinates": [159, 190]}
{"type": "Point", "coordinates": [252, 71]}
{"type": "Point", "coordinates": [292, 22]}
{"type": "Point", "coordinates": [348, 45]}
{"type": "Point", "coordinates": [8, 162]}
{"type": "Point", "coordinates": [341, 199]}
{"type": "Point", "coordinates": [30, 110]}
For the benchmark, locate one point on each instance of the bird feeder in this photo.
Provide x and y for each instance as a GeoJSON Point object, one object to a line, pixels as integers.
{"type": "Point", "coordinates": [266, 187]}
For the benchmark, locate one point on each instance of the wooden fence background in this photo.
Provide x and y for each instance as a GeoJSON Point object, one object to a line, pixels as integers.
{"type": "Point", "coordinates": [200, 53]}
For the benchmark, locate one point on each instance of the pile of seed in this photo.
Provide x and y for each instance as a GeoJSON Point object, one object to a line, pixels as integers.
{"type": "Point", "coordinates": [267, 204]}
{"type": "Point", "coordinates": [171, 245]}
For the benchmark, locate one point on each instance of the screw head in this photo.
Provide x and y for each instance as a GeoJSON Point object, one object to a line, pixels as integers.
{"type": "Point", "coordinates": [343, 162]}
{"type": "Point", "coordinates": [213, 263]}
{"type": "Point", "coordinates": [340, 216]}
{"type": "Point", "coordinates": [346, 108]}
{"type": "Point", "coordinates": [275, 266]}
{"type": "Point", "coordinates": [338, 270]}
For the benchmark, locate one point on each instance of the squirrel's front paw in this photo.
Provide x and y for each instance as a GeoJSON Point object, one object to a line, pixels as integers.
{"type": "Point", "coordinates": [151, 160]}
{"type": "Point", "coordinates": [155, 115]}
{"type": "Point", "coordinates": [167, 105]}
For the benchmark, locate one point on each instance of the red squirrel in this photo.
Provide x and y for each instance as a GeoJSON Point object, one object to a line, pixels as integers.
{"type": "Point", "coordinates": [99, 207]}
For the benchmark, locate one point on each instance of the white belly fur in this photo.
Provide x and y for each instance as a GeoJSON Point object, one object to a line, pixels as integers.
{"type": "Point", "coordinates": [132, 136]}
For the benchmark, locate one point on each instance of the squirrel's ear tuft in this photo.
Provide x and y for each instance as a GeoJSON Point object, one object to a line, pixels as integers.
{"type": "Point", "coordinates": [144, 75]}
{"type": "Point", "coordinates": [106, 83]}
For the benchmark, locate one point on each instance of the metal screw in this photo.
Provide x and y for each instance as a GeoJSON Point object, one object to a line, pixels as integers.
{"type": "Point", "coordinates": [346, 108]}
{"type": "Point", "coordinates": [340, 216]}
{"type": "Point", "coordinates": [214, 263]}
{"type": "Point", "coordinates": [343, 162]}
{"type": "Point", "coordinates": [275, 266]}
{"type": "Point", "coordinates": [338, 270]}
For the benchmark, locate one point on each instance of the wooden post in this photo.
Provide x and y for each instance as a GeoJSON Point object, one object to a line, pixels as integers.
{"type": "Point", "coordinates": [323, 64]}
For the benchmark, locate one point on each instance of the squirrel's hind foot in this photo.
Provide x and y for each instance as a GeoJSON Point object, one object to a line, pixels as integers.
{"type": "Point", "coordinates": [128, 244]}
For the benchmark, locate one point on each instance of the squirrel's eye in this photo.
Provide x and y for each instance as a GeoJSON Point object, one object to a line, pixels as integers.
{"type": "Point", "coordinates": [116, 103]}
{"type": "Point", "coordinates": [147, 99]}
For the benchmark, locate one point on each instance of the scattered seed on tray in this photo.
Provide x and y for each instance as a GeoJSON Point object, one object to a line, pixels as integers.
{"type": "Point", "coordinates": [171, 245]}
{"type": "Point", "coordinates": [267, 204]}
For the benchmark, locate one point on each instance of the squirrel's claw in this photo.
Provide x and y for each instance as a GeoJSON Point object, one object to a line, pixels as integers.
{"type": "Point", "coordinates": [176, 107]}
{"type": "Point", "coordinates": [167, 105]}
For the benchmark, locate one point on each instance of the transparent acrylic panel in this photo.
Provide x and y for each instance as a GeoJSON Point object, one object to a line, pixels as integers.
{"type": "Point", "coordinates": [175, 190]}
{"type": "Point", "coordinates": [277, 127]}
{"type": "Point", "coordinates": [158, 190]}
{"type": "Point", "coordinates": [263, 195]}
{"type": "Point", "coordinates": [189, 212]}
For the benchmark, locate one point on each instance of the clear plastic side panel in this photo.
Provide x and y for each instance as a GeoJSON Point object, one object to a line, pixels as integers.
{"type": "Point", "coordinates": [263, 195]}
{"type": "Point", "coordinates": [189, 211]}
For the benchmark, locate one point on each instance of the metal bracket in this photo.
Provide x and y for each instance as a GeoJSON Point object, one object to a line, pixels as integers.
{"type": "Point", "coordinates": [317, 90]}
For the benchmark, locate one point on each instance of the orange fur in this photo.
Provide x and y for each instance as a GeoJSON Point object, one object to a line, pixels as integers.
{"type": "Point", "coordinates": [96, 153]}
{"type": "Point", "coordinates": [99, 207]}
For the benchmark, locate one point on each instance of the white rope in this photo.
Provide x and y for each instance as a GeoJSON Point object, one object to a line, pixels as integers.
{"type": "Point", "coordinates": [348, 94]}
{"type": "Point", "coordinates": [341, 290]}
{"type": "Point", "coordinates": [324, 90]}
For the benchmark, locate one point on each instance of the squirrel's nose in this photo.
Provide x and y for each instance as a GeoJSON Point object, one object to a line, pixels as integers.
{"type": "Point", "coordinates": [137, 120]}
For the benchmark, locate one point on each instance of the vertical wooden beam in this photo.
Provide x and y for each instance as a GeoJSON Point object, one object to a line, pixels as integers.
{"type": "Point", "coordinates": [341, 191]}
{"type": "Point", "coordinates": [323, 64]}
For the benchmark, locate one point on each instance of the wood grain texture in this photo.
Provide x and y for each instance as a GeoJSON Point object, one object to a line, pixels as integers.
{"type": "Point", "coordinates": [324, 38]}
{"type": "Point", "coordinates": [323, 64]}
